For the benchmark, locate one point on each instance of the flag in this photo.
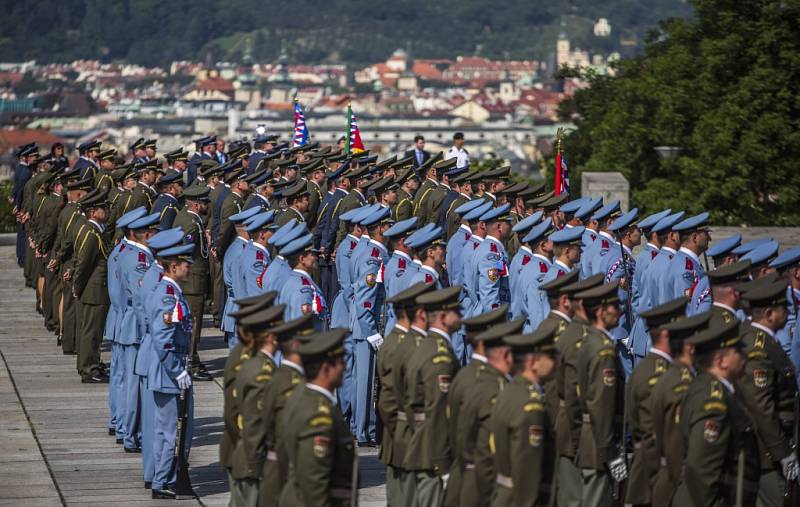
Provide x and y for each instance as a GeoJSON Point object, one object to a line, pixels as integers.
{"type": "Point", "coordinates": [561, 184]}
{"type": "Point", "coordinates": [353, 144]}
{"type": "Point", "coordinates": [300, 128]}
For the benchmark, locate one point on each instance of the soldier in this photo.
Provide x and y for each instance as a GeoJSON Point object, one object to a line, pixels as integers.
{"type": "Point", "coordinates": [232, 204]}
{"type": "Point", "coordinates": [768, 389]}
{"type": "Point", "coordinates": [666, 398]}
{"type": "Point", "coordinates": [47, 233]}
{"type": "Point", "coordinates": [129, 267]}
{"type": "Point", "coordinates": [177, 160]}
{"type": "Point", "coordinates": [190, 220]}
{"type": "Point", "coordinates": [241, 352]}
{"type": "Point", "coordinates": [524, 253]}
{"type": "Point", "coordinates": [638, 403]}
{"type": "Point", "coordinates": [170, 322]}
{"type": "Point", "coordinates": [787, 265]}
{"type": "Point", "coordinates": [720, 466]}
{"type": "Point", "coordinates": [325, 232]}
{"type": "Point", "coordinates": [604, 217]}
{"type": "Point", "coordinates": [726, 293]}
{"type": "Point", "coordinates": [207, 149]}
{"type": "Point", "coordinates": [461, 388]}
{"type": "Point", "coordinates": [358, 181]}
{"type": "Point", "coordinates": [385, 192]}
{"type": "Point", "coordinates": [436, 199]}
{"type": "Point", "coordinates": [232, 275]}
{"type": "Point", "coordinates": [299, 292]}
{"type": "Point", "coordinates": [760, 258]}
{"type": "Point", "coordinates": [520, 424]}
{"type": "Point", "coordinates": [319, 447]}
{"type": "Point", "coordinates": [145, 354]}
{"type": "Point", "coordinates": [532, 273]}
{"type": "Point", "coordinates": [90, 286]}
{"type": "Point", "coordinates": [491, 260]}
{"type": "Point", "coordinates": [143, 194]}
{"type": "Point", "coordinates": [139, 154]}
{"type": "Point", "coordinates": [451, 221]}
{"type": "Point", "coordinates": [103, 179]}
{"type": "Point", "coordinates": [250, 387]}
{"type": "Point", "coordinates": [392, 355]}
{"type": "Point", "coordinates": [686, 269]}
{"type": "Point", "coordinates": [366, 321]}
{"type": "Point", "coordinates": [150, 149]}
{"type": "Point", "coordinates": [166, 204]}
{"type": "Point", "coordinates": [395, 269]}
{"type": "Point", "coordinates": [469, 270]}
{"type": "Point", "coordinates": [457, 240]}
{"type": "Point", "coordinates": [254, 259]}
{"type": "Point", "coordinates": [722, 254]}
{"type": "Point", "coordinates": [473, 443]}
{"type": "Point", "coordinates": [601, 398]}
{"type": "Point", "coordinates": [279, 269]}
{"type": "Point", "coordinates": [566, 257]}
{"type": "Point", "coordinates": [408, 183]}
{"type": "Point", "coordinates": [291, 374]}
{"type": "Point", "coordinates": [425, 191]}
{"type": "Point", "coordinates": [429, 372]}
{"type": "Point", "coordinates": [262, 144]}
{"type": "Point", "coordinates": [431, 251]}
{"type": "Point", "coordinates": [22, 174]}
{"type": "Point", "coordinates": [315, 171]}
{"type": "Point", "coordinates": [297, 201]}
{"type": "Point", "coordinates": [262, 191]}
{"type": "Point", "coordinates": [87, 160]}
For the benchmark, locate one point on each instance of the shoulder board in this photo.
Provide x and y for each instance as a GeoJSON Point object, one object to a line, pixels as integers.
{"type": "Point", "coordinates": [428, 278]}
{"type": "Point", "coordinates": [375, 253]}
{"type": "Point", "coordinates": [121, 247]}
{"type": "Point", "coordinates": [401, 264]}
{"type": "Point", "coordinates": [259, 255]}
{"type": "Point", "coordinates": [323, 408]}
{"type": "Point", "coordinates": [525, 260]}
{"type": "Point", "coordinates": [142, 258]}
{"type": "Point", "coordinates": [320, 420]}
{"type": "Point", "coordinates": [661, 366]}
{"type": "Point", "coordinates": [492, 247]}
{"type": "Point", "coordinates": [305, 280]}
{"type": "Point", "coordinates": [653, 254]}
{"type": "Point", "coordinates": [689, 265]}
{"type": "Point", "coordinates": [604, 244]}
{"type": "Point", "coordinates": [352, 244]}
{"type": "Point", "coordinates": [170, 290]}
{"type": "Point", "coordinates": [542, 267]}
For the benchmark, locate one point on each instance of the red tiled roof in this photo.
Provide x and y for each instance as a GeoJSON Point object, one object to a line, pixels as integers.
{"type": "Point", "coordinates": [10, 139]}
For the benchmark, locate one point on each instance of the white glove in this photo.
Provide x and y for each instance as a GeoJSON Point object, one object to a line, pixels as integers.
{"type": "Point", "coordinates": [618, 470]}
{"type": "Point", "coordinates": [445, 479]}
{"type": "Point", "coordinates": [790, 467]}
{"type": "Point", "coordinates": [184, 380]}
{"type": "Point", "coordinates": [375, 340]}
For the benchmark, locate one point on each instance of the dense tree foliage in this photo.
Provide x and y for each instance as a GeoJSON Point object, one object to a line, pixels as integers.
{"type": "Point", "coordinates": [723, 87]}
{"type": "Point", "coordinates": [359, 31]}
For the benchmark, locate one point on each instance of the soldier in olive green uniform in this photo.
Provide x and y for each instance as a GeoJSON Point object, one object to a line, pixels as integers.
{"type": "Point", "coordinates": [233, 364]}
{"type": "Point", "coordinates": [601, 387]}
{"type": "Point", "coordinates": [359, 179]}
{"type": "Point", "coordinates": [314, 171]}
{"type": "Point", "coordinates": [392, 355]}
{"type": "Point", "coordinates": [233, 203]}
{"type": "Point", "coordinates": [520, 426]}
{"type": "Point", "coordinates": [431, 368]}
{"type": "Point", "coordinates": [424, 192]}
{"type": "Point", "coordinates": [255, 374]}
{"type": "Point", "coordinates": [666, 397]}
{"type": "Point", "coordinates": [69, 220]}
{"type": "Point", "coordinates": [290, 375]}
{"type": "Point", "coordinates": [461, 389]}
{"type": "Point", "coordinates": [319, 446]}
{"type": "Point", "coordinates": [768, 390]}
{"type": "Point", "coordinates": [90, 286]}
{"type": "Point", "coordinates": [720, 443]}
{"type": "Point", "coordinates": [143, 194]}
{"type": "Point", "coordinates": [473, 434]}
{"type": "Point", "coordinates": [190, 220]}
{"type": "Point", "coordinates": [45, 237]}
{"type": "Point", "coordinates": [297, 201]}
{"type": "Point", "coordinates": [725, 293]}
{"type": "Point", "coordinates": [435, 198]}
{"type": "Point", "coordinates": [404, 209]}
{"type": "Point", "coordinates": [638, 403]}
{"type": "Point", "coordinates": [452, 219]}
{"type": "Point", "coordinates": [568, 420]}
{"type": "Point", "coordinates": [103, 179]}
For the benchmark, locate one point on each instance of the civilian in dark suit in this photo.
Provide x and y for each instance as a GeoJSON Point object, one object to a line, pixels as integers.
{"type": "Point", "coordinates": [25, 154]}
{"type": "Point", "coordinates": [418, 152]}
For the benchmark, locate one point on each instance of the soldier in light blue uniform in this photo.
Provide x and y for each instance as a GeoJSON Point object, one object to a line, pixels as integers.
{"type": "Point", "coordinates": [279, 269]}
{"type": "Point", "coordinates": [492, 260]}
{"type": "Point", "coordinates": [255, 258]}
{"type": "Point", "coordinates": [722, 253]}
{"type": "Point", "coordinates": [298, 292]}
{"type": "Point", "coordinates": [416, 263]}
{"type": "Point", "coordinates": [619, 265]}
{"type": "Point", "coordinates": [431, 251]}
{"type": "Point", "coordinates": [469, 270]}
{"type": "Point", "coordinates": [760, 258]}
{"type": "Point", "coordinates": [116, 421]}
{"type": "Point", "coordinates": [365, 322]}
{"type": "Point", "coordinates": [787, 264]}
{"type": "Point", "coordinates": [566, 257]}
{"type": "Point", "coordinates": [535, 270]}
{"type": "Point", "coordinates": [748, 247]}
{"type": "Point", "coordinates": [649, 252]}
{"type": "Point", "coordinates": [132, 268]}
{"type": "Point", "coordinates": [591, 259]}
{"type": "Point", "coordinates": [524, 255]}
{"type": "Point", "coordinates": [231, 275]}
{"type": "Point", "coordinates": [399, 262]}
{"type": "Point", "coordinates": [686, 269]}
{"type": "Point", "coordinates": [145, 356]}
{"type": "Point", "coordinates": [456, 242]}
{"type": "Point", "coordinates": [569, 209]}
{"type": "Point", "coordinates": [647, 288]}
{"type": "Point", "coordinates": [167, 375]}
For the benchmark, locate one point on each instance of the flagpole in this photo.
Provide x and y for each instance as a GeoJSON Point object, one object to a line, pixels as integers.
{"type": "Point", "coordinates": [347, 132]}
{"type": "Point", "coordinates": [557, 182]}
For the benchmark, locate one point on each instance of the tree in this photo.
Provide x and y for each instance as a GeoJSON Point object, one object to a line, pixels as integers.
{"type": "Point", "coordinates": [724, 88]}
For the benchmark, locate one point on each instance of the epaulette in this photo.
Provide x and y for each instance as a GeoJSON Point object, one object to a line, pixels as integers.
{"type": "Point", "coordinates": [525, 260]}
{"type": "Point", "coordinates": [661, 366]}
{"type": "Point", "coordinates": [442, 358]}
{"type": "Point", "coordinates": [689, 265]}
{"type": "Point", "coordinates": [305, 280]}
{"type": "Point", "coordinates": [493, 247]}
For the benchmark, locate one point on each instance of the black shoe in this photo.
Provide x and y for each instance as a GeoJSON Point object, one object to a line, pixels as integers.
{"type": "Point", "coordinates": [368, 443]}
{"type": "Point", "coordinates": [135, 450]}
{"type": "Point", "coordinates": [68, 352]}
{"type": "Point", "coordinates": [120, 441]}
{"type": "Point", "coordinates": [201, 375]}
{"type": "Point", "coordinates": [215, 323]}
{"type": "Point", "coordinates": [94, 378]}
{"type": "Point", "coordinates": [58, 341]}
{"type": "Point", "coordinates": [112, 431]}
{"type": "Point", "coordinates": [163, 494]}
{"type": "Point", "coordinates": [148, 485]}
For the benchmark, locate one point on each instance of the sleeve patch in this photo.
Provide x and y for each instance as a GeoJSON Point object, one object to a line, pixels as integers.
{"type": "Point", "coordinates": [711, 431]}
{"type": "Point", "coordinates": [321, 446]}
{"type": "Point", "coordinates": [609, 377]}
{"type": "Point", "coordinates": [535, 435]}
{"type": "Point", "coordinates": [444, 383]}
{"type": "Point", "coordinates": [760, 378]}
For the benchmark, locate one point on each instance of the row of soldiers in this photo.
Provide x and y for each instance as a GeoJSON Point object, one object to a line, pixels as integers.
{"type": "Point", "coordinates": [583, 233]}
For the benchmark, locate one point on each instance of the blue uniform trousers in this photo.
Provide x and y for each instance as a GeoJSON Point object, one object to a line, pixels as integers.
{"type": "Point", "coordinates": [116, 395]}
{"type": "Point", "coordinates": [148, 408]}
{"type": "Point", "coordinates": [130, 393]}
{"type": "Point", "coordinates": [166, 417]}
